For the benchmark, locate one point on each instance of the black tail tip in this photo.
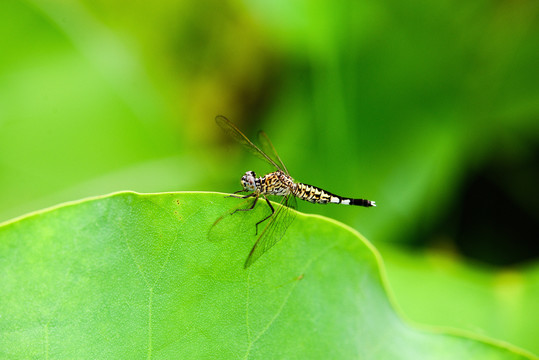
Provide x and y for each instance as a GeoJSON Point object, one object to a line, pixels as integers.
{"type": "Point", "coordinates": [362, 202]}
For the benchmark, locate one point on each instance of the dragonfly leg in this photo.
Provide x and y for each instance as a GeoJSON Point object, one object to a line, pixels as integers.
{"type": "Point", "coordinates": [267, 217]}
{"type": "Point", "coordinates": [245, 197]}
{"type": "Point", "coordinates": [239, 197]}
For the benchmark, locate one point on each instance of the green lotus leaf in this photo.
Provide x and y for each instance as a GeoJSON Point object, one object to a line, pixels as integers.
{"type": "Point", "coordinates": [135, 276]}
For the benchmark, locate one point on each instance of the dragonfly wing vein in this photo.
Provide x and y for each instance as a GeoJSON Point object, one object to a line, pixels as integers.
{"type": "Point", "coordinates": [235, 133]}
{"type": "Point", "coordinates": [274, 230]}
{"type": "Point", "coordinates": [268, 147]}
{"type": "Point", "coordinates": [215, 229]}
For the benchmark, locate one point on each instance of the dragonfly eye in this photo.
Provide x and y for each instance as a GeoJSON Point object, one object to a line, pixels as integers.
{"type": "Point", "coordinates": [248, 181]}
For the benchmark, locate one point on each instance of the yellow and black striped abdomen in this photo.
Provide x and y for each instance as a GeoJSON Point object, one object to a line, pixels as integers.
{"type": "Point", "coordinates": [320, 196]}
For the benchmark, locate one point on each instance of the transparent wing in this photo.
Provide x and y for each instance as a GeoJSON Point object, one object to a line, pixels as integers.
{"type": "Point", "coordinates": [234, 132]}
{"type": "Point", "coordinates": [274, 230]}
{"type": "Point", "coordinates": [268, 147]}
{"type": "Point", "coordinates": [213, 233]}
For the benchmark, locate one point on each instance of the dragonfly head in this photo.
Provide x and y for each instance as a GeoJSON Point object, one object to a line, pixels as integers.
{"type": "Point", "coordinates": [248, 181]}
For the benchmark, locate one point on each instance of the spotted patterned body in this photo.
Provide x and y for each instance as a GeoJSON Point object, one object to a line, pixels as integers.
{"type": "Point", "coordinates": [278, 183]}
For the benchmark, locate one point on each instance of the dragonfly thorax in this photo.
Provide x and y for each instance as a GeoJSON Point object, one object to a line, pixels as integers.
{"type": "Point", "coordinates": [275, 183]}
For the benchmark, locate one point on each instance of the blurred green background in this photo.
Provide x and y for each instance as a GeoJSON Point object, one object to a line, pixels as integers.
{"type": "Point", "coordinates": [430, 109]}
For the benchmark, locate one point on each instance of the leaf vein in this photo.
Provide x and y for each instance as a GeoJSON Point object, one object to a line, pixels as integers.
{"type": "Point", "coordinates": [285, 300]}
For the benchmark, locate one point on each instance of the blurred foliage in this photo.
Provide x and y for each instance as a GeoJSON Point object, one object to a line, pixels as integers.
{"type": "Point", "coordinates": [435, 288]}
{"type": "Point", "coordinates": [431, 109]}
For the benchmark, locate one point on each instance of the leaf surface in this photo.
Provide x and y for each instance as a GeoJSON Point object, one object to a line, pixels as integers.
{"type": "Point", "coordinates": [136, 276]}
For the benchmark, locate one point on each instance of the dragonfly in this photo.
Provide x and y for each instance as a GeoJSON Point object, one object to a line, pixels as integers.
{"type": "Point", "coordinates": [277, 183]}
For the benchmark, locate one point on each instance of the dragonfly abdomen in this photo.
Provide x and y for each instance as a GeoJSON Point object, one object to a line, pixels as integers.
{"type": "Point", "coordinates": [320, 196]}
